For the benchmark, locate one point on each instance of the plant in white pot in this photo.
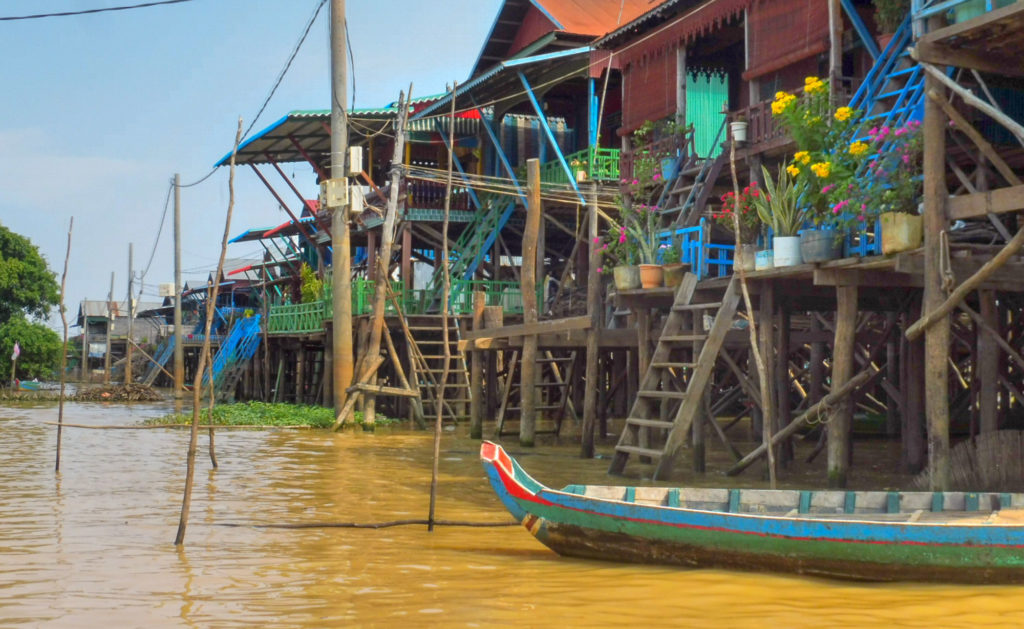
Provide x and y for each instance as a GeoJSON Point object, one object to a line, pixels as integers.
{"type": "Point", "coordinates": [780, 209]}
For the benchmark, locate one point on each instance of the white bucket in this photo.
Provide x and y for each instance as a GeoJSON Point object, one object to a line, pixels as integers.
{"type": "Point", "coordinates": [739, 130]}
{"type": "Point", "coordinates": [787, 250]}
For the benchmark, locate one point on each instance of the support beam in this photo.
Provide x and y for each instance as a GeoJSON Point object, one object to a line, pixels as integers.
{"type": "Point", "coordinates": [476, 372]}
{"type": "Point", "coordinates": [594, 311]}
{"type": "Point", "coordinates": [988, 364]}
{"type": "Point", "coordinates": [528, 288]}
{"type": "Point", "coordinates": [543, 119]}
{"type": "Point", "coordinates": [842, 370]}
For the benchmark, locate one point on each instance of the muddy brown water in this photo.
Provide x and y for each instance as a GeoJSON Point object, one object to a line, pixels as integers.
{"type": "Point", "coordinates": [91, 546]}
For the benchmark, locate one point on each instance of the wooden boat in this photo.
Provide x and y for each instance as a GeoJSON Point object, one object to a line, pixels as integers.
{"type": "Point", "coordinates": [27, 385]}
{"type": "Point", "coordinates": [869, 535]}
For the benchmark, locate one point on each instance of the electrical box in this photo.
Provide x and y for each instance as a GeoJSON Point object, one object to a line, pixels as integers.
{"type": "Point", "coordinates": [333, 193]}
{"type": "Point", "coordinates": [167, 289]}
{"type": "Point", "coordinates": [358, 201]}
{"type": "Point", "coordinates": [355, 160]}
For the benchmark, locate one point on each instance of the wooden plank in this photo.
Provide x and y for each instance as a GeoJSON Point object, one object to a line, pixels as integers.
{"type": "Point", "coordinates": [868, 278]}
{"type": "Point", "coordinates": [530, 329]}
{"type": "Point", "coordinates": [384, 390]}
{"type": "Point", "coordinates": [979, 204]}
{"type": "Point", "coordinates": [944, 55]}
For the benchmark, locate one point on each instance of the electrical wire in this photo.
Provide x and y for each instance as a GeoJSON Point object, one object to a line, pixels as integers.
{"type": "Point", "coordinates": [89, 11]}
{"type": "Point", "coordinates": [163, 220]}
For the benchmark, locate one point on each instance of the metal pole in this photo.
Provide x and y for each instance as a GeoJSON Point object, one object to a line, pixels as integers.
{"type": "Point", "coordinates": [179, 338]}
{"type": "Point", "coordinates": [110, 330]}
{"type": "Point", "coordinates": [131, 319]}
{"type": "Point", "coordinates": [341, 255]}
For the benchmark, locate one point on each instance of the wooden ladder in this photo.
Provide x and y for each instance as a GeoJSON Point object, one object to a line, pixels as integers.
{"type": "Point", "coordinates": [554, 388]}
{"type": "Point", "coordinates": [666, 403]}
{"type": "Point", "coordinates": [427, 354]}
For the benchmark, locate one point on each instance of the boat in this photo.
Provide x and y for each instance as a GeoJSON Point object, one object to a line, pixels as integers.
{"type": "Point", "coordinates": [27, 385]}
{"type": "Point", "coordinates": [955, 537]}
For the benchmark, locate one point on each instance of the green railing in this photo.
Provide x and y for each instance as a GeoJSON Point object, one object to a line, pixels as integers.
{"type": "Point", "coordinates": [297, 318]}
{"type": "Point", "coordinates": [508, 295]}
{"type": "Point", "coordinates": [600, 164]}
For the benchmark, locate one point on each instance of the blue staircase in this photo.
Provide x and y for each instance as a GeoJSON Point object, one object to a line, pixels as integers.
{"type": "Point", "coordinates": [161, 356]}
{"type": "Point", "coordinates": [892, 93]}
{"type": "Point", "coordinates": [231, 359]}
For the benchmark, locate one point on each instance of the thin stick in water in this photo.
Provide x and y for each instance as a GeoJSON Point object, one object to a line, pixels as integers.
{"type": "Point", "coordinates": [64, 349]}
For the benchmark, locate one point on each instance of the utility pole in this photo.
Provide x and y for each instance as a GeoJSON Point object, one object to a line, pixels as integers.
{"type": "Point", "coordinates": [110, 330]}
{"type": "Point", "coordinates": [131, 320]}
{"type": "Point", "coordinates": [341, 285]}
{"type": "Point", "coordinates": [179, 349]}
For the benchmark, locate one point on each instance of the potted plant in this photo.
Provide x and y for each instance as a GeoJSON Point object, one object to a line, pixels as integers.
{"type": "Point", "coordinates": [615, 247]}
{"type": "Point", "coordinates": [744, 209]}
{"type": "Point", "coordinates": [889, 15]}
{"type": "Point", "coordinates": [642, 224]}
{"type": "Point", "coordinates": [781, 210]}
{"type": "Point", "coordinates": [672, 268]}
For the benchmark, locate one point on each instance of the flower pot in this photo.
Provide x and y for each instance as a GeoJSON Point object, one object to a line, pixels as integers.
{"type": "Point", "coordinates": [744, 258]}
{"type": "Point", "coordinates": [674, 272]}
{"type": "Point", "coordinates": [581, 176]}
{"type": "Point", "coordinates": [626, 277]}
{"type": "Point", "coordinates": [739, 130]}
{"type": "Point", "coordinates": [669, 168]}
{"type": "Point", "coordinates": [900, 231]}
{"type": "Point", "coordinates": [651, 275]}
{"type": "Point", "coordinates": [884, 39]}
{"type": "Point", "coordinates": [764, 260]}
{"type": "Point", "coordinates": [819, 245]}
{"type": "Point", "coordinates": [787, 251]}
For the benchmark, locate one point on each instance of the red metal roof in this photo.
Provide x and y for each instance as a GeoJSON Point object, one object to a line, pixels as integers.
{"type": "Point", "coordinates": [595, 17]}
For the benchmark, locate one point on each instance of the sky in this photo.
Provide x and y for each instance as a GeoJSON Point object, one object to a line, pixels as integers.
{"type": "Point", "coordinates": [97, 113]}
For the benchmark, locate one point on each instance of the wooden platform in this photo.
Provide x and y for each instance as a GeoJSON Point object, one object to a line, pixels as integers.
{"type": "Point", "coordinates": [991, 42]}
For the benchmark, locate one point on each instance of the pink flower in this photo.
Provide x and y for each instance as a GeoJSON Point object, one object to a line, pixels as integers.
{"type": "Point", "coordinates": [655, 176]}
{"type": "Point", "coordinates": [597, 241]}
{"type": "Point", "coordinates": [636, 181]}
{"type": "Point", "coordinates": [827, 188]}
{"type": "Point", "coordinates": [600, 269]}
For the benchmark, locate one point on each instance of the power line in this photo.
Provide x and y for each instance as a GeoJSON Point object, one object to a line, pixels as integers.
{"type": "Point", "coordinates": [87, 11]}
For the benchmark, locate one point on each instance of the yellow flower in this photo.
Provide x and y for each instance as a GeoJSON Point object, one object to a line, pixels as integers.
{"type": "Point", "coordinates": [814, 87]}
{"type": "Point", "coordinates": [793, 170]}
{"type": "Point", "coordinates": [782, 101]}
{"type": "Point", "coordinates": [858, 148]}
{"type": "Point", "coordinates": [822, 169]}
{"type": "Point", "coordinates": [803, 157]}
{"type": "Point", "coordinates": [811, 79]}
{"type": "Point", "coordinates": [843, 114]}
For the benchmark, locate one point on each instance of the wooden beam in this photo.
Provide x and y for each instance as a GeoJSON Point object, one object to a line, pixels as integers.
{"type": "Point", "coordinates": [384, 390]}
{"type": "Point", "coordinates": [963, 124]}
{"type": "Point", "coordinates": [476, 372]}
{"type": "Point", "coordinates": [939, 76]}
{"type": "Point", "coordinates": [875, 279]}
{"type": "Point", "coordinates": [945, 55]}
{"type": "Point", "coordinates": [979, 204]}
{"type": "Point", "coordinates": [988, 365]}
{"type": "Point", "coordinates": [594, 312]}
{"type": "Point", "coordinates": [842, 370]}
{"type": "Point", "coordinates": [528, 286]}
{"type": "Point", "coordinates": [529, 329]}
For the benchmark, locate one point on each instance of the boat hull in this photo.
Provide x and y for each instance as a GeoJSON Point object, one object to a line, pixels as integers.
{"type": "Point", "coordinates": [580, 526]}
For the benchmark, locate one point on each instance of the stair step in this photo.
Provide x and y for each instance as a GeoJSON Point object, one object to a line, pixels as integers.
{"type": "Point", "coordinates": [654, 454]}
{"type": "Point", "coordinates": [668, 395]}
{"type": "Point", "coordinates": [673, 365]}
{"type": "Point", "coordinates": [539, 407]}
{"type": "Point", "coordinates": [714, 305]}
{"type": "Point", "coordinates": [650, 423]}
{"type": "Point", "coordinates": [683, 337]}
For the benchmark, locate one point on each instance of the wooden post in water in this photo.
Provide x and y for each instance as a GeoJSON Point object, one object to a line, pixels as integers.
{"type": "Point", "coordinates": [528, 286]}
{"type": "Point", "coordinates": [110, 330]}
{"type": "Point", "coordinates": [341, 278]}
{"type": "Point", "coordinates": [179, 337]}
{"type": "Point", "coordinates": [594, 312]}
{"type": "Point", "coordinates": [131, 320]}
{"type": "Point", "coordinates": [842, 371]}
{"type": "Point", "coordinates": [64, 347]}
{"type": "Point", "coordinates": [937, 336]}
{"type": "Point", "coordinates": [204, 354]}
{"type": "Point", "coordinates": [476, 373]}
{"type": "Point", "coordinates": [988, 362]}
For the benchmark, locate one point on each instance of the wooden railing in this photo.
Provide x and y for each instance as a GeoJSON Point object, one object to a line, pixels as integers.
{"type": "Point", "coordinates": [763, 128]}
{"type": "Point", "coordinates": [430, 195]}
{"type": "Point", "coordinates": [640, 162]}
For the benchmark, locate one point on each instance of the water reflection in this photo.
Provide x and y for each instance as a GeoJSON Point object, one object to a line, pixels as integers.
{"type": "Point", "coordinates": [92, 546]}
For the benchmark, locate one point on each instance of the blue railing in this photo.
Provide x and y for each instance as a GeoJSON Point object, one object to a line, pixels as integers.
{"type": "Point", "coordinates": [956, 10]}
{"type": "Point", "coordinates": [706, 259]}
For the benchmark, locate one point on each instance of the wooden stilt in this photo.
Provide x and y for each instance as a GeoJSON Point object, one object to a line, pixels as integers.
{"type": "Point", "coordinates": [842, 371]}
{"type": "Point", "coordinates": [988, 363]}
{"type": "Point", "coordinates": [528, 285]}
{"type": "Point", "coordinates": [594, 312]}
{"type": "Point", "coordinates": [476, 374]}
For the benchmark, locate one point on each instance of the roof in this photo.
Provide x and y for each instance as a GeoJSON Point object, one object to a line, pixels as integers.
{"type": "Point", "coordinates": [591, 18]}
{"type": "Point", "coordinates": [699, 15]}
{"type": "Point", "coordinates": [97, 308]}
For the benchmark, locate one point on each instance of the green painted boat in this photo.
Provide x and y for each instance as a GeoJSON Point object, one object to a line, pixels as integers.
{"type": "Point", "coordinates": [957, 537]}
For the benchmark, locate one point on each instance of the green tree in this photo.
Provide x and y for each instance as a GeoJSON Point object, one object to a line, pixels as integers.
{"type": "Point", "coordinates": [40, 349]}
{"type": "Point", "coordinates": [27, 287]}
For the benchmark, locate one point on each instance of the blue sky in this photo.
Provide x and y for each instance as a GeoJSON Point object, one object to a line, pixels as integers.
{"type": "Point", "coordinates": [99, 111]}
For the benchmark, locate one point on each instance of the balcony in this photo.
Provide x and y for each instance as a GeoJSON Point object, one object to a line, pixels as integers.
{"type": "Point", "coordinates": [598, 164]}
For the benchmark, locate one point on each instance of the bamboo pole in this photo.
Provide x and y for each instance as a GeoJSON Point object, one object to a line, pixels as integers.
{"type": "Point", "coordinates": [445, 290]}
{"type": "Point", "coordinates": [204, 353]}
{"type": "Point", "coordinates": [762, 370]}
{"type": "Point", "coordinates": [64, 347]}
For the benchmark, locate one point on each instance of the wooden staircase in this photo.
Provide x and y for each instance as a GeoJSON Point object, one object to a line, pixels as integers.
{"type": "Point", "coordinates": [672, 389]}
{"type": "Point", "coordinates": [687, 196]}
{"type": "Point", "coordinates": [426, 354]}
{"type": "Point", "coordinates": [553, 388]}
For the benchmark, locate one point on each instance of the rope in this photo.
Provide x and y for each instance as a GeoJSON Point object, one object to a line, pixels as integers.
{"type": "Point", "coordinates": [364, 525]}
{"type": "Point", "coordinates": [946, 276]}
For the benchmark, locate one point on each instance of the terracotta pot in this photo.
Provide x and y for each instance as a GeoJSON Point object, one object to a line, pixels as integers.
{"type": "Point", "coordinates": [626, 277]}
{"type": "Point", "coordinates": [745, 257]}
{"type": "Point", "coordinates": [901, 231]}
{"type": "Point", "coordinates": [651, 275]}
{"type": "Point", "coordinates": [674, 273]}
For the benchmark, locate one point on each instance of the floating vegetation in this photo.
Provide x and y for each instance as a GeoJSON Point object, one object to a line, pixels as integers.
{"type": "Point", "coordinates": [265, 414]}
{"type": "Point", "coordinates": [119, 393]}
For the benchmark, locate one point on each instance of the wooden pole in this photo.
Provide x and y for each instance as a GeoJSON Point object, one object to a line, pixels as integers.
{"type": "Point", "coordinates": [383, 260]}
{"type": "Point", "coordinates": [204, 354]}
{"type": "Point", "coordinates": [110, 330]}
{"type": "Point", "coordinates": [179, 336]}
{"type": "Point", "coordinates": [131, 319]}
{"type": "Point", "coordinates": [528, 286]}
{"type": "Point", "coordinates": [988, 363]}
{"type": "Point", "coordinates": [937, 336]}
{"type": "Point", "coordinates": [593, 332]}
{"type": "Point", "coordinates": [476, 372]}
{"type": "Point", "coordinates": [64, 348]}
{"type": "Point", "coordinates": [341, 278]}
{"type": "Point", "coordinates": [842, 370]}
{"type": "Point", "coordinates": [445, 292]}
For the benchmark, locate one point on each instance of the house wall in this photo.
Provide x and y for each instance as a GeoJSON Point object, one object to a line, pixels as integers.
{"type": "Point", "coordinates": [535, 25]}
